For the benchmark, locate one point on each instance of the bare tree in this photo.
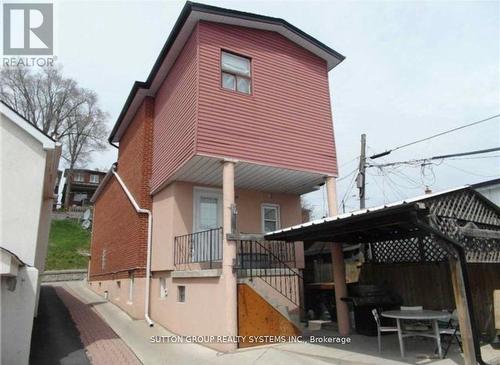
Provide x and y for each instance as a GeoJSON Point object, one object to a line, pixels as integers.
{"type": "Point", "coordinates": [85, 132]}
{"type": "Point", "coordinates": [60, 108]}
{"type": "Point", "coordinates": [45, 98]}
{"type": "Point", "coordinates": [306, 209]}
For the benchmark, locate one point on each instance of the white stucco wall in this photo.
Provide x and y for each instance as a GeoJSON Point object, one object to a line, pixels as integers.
{"type": "Point", "coordinates": [28, 167]}
{"type": "Point", "coordinates": [18, 309]}
{"type": "Point", "coordinates": [22, 166]}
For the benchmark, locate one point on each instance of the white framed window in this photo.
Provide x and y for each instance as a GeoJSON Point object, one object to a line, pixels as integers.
{"type": "Point", "coordinates": [78, 177]}
{"type": "Point", "coordinates": [163, 288]}
{"type": "Point", "coordinates": [181, 293]}
{"type": "Point", "coordinates": [131, 288]}
{"type": "Point", "coordinates": [236, 73]}
{"type": "Point", "coordinates": [94, 179]}
{"type": "Point", "coordinates": [270, 214]}
{"type": "Point", "coordinates": [78, 197]}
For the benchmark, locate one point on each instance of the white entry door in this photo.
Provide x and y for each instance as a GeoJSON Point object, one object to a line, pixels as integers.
{"type": "Point", "coordinates": [207, 216]}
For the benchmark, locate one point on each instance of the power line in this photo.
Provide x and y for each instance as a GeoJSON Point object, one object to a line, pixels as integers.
{"type": "Point", "coordinates": [433, 136]}
{"type": "Point", "coordinates": [422, 161]}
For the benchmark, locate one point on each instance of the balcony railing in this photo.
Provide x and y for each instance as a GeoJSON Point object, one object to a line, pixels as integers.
{"type": "Point", "coordinates": [199, 247]}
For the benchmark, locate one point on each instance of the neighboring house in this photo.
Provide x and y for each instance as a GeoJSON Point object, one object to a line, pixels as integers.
{"type": "Point", "coordinates": [232, 125]}
{"type": "Point", "coordinates": [28, 163]}
{"type": "Point", "coordinates": [79, 186]}
{"type": "Point", "coordinates": [490, 189]}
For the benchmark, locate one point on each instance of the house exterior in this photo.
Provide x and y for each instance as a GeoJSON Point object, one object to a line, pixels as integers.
{"type": "Point", "coordinates": [232, 125]}
{"type": "Point", "coordinates": [29, 161]}
{"type": "Point", "coordinates": [490, 189]}
{"type": "Point", "coordinates": [79, 186]}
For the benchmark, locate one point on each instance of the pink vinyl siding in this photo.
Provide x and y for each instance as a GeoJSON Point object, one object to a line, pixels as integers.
{"type": "Point", "coordinates": [286, 121]}
{"type": "Point", "coordinates": [175, 115]}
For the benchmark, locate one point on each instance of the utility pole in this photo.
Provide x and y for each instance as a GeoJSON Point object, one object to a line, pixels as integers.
{"type": "Point", "coordinates": [361, 179]}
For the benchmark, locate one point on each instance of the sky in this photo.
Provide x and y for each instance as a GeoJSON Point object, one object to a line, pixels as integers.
{"type": "Point", "coordinates": [412, 69]}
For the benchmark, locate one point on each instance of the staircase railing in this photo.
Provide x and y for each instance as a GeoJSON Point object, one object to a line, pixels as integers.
{"type": "Point", "coordinates": [273, 262]}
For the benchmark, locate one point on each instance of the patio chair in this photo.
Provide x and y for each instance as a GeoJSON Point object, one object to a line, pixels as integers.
{"type": "Point", "coordinates": [381, 329]}
{"type": "Point", "coordinates": [416, 326]}
{"type": "Point", "coordinates": [452, 331]}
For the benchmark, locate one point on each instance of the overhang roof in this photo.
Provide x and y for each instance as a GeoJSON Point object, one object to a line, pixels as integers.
{"type": "Point", "coordinates": [190, 15]}
{"type": "Point", "coordinates": [367, 224]}
{"type": "Point", "coordinates": [207, 170]}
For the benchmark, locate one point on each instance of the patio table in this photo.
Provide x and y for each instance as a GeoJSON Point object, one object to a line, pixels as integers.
{"type": "Point", "coordinates": [422, 315]}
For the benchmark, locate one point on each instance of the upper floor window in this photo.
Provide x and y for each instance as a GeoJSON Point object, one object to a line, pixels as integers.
{"type": "Point", "coordinates": [236, 73]}
{"type": "Point", "coordinates": [94, 179]}
{"type": "Point", "coordinates": [78, 177]}
{"type": "Point", "coordinates": [270, 217]}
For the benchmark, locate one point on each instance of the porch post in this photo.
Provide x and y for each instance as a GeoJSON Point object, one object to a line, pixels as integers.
{"type": "Point", "coordinates": [464, 320]}
{"type": "Point", "coordinates": [338, 264]}
{"type": "Point", "coordinates": [229, 248]}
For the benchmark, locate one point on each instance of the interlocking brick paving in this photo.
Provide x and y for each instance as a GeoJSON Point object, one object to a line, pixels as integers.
{"type": "Point", "coordinates": [102, 344]}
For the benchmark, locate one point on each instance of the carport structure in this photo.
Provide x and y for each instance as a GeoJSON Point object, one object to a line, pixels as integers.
{"type": "Point", "coordinates": [459, 226]}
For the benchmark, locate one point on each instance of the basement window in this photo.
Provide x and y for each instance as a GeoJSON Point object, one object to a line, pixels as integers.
{"type": "Point", "coordinates": [236, 73]}
{"type": "Point", "coordinates": [103, 259]}
{"type": "Point", "coordinates": [181, 293]}
{"type": "Point", "coordinates": [131, 288]}
{"type": "Point", "coordinates": [163, 288]}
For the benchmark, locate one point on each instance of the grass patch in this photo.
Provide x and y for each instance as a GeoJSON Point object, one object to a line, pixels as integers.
{"type": "Point", "coordinates": [66, 240]}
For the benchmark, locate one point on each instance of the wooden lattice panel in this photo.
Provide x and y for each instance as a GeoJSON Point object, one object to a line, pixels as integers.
{"type": "Point", "coordinates": [465, 206]}
{"type": "Point", "coordinates": [408, 250]}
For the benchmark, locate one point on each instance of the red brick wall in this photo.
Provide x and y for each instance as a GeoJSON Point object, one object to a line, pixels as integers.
{"type": "Point", "coordinates": [117, 227]}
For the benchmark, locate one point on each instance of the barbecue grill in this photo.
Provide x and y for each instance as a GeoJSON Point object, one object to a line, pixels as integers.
{"type": "Point", "coordinates": [364, 298]}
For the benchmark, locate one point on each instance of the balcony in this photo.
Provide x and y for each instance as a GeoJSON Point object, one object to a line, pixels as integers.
{"type": "Point", "coordinates": [199, 250]}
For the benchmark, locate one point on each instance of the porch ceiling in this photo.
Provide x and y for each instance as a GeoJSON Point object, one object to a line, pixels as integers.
{"type": "Point", "coordinates": [207, 170]}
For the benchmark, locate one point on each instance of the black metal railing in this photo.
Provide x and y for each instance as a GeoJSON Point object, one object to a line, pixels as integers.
{"type": "Point", "coordinates": [198, 247]}
{"type": "Point", "coordinates": [274, 263]}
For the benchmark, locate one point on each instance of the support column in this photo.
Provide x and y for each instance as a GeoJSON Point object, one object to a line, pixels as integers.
{"type": "Point", "coordinates": [464, 320]}
{"type": "Point", "coordinates": [229, 250]}
{"type": "Point", "coordinates": [338, 264]}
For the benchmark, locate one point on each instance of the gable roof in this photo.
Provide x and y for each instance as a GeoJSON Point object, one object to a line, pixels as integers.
{"type": "Point", "coordinates": [11, 114]}
{"type": "Point", "coordinates": [190, 15]}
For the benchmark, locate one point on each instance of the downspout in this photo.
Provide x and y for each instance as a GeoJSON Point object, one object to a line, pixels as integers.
{"type": "Point", "coordinates": [148, 259]}
{"type": "Point", "coordinates": [463, 264]}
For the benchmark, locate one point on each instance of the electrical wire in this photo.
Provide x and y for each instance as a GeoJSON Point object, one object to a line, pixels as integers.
{"type": "Point", "coordinates": [424, 161]}
{"type": "Point", "coordinates": [435, 135]}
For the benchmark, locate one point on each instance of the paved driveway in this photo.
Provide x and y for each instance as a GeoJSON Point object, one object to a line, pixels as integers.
{"type": "Point", "coordinates": [136, 334]}
{"type": "Point", "coordinates": [55, 339]}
